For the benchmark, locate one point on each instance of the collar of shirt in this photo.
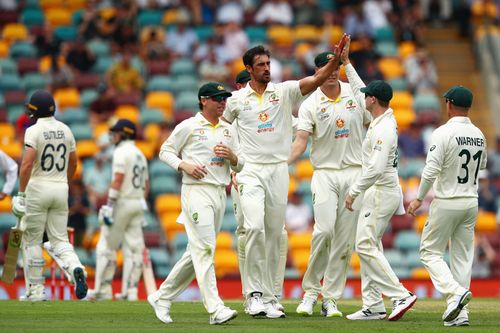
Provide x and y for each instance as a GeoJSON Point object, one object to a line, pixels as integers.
{"type": "Point", "coordinates": [387, 113]}
{"type": "Point", "coordinates": [457, 119]}
{"type": "Point", "coordinates": [204, 122]}
{"type": "Point", "coordinates": [343, 94]}
{"type": "Point", "coordinates": [45, 120]}
{"type": "Point", "coordinates": [126, 142]}
{"type": "Point", "coordinates": [269, 88]}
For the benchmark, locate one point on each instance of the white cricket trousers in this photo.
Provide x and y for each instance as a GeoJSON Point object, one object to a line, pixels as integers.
{"type": "Point", "coordinates": [46, 209]}
{"type": "Point", "coordinates": [453, 221]}
{"type": "Point", "coordinates": [203, 208]}
{"type": "Point", "coordinates": [377, 276]}
{"type": "Point", "coordinates": [333, 233]}
{"type": "Point", "coordinates": [263, 190]}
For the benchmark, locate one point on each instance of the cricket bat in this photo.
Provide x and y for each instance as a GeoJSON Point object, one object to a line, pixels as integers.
{"type": "Point", "coordinates": [148, 275]}
{"type": "Point", "coordinates": [13, 246]}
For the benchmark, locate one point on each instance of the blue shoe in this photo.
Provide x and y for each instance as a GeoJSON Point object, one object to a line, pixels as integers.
{"type": "Point", "coordinates": [80, 284]}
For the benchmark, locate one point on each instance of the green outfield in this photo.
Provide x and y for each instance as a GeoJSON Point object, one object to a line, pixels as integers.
{"type": "Point", "coordinates": [110, 316]}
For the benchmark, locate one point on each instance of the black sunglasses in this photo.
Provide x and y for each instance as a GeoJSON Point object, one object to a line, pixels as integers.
{"type": "Point", "coordinates": [218, 98]}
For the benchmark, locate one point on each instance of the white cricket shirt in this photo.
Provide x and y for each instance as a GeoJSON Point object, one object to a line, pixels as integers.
{"type": "Point", "coordinates": [131, 162]}
{"type": "Point", "coordinates": [457, 153]}
{"type": "Point", "coordinates": [264, 121]}
{"type": "Point", "coordinates": [9, 166]}
{"type": "Point", "coordinates": [193, 141]}
{"type": "Point", "coordinates": [53, 141]}
{"type": "Point", "coordinates": [336, 128]}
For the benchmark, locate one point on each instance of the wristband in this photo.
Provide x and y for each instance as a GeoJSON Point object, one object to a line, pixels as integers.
{"type": "Point", "coordinates": [21, 194]}
{"type": "Point", "coordinates": [112, 196]}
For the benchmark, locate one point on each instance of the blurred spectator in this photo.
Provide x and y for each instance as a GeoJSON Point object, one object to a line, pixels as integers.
{"type": "Point", "coordinates": [375, 13]}
{"type": "Point", "coordinates": [229, 11]}
{"type": "Point", "coordinates": [487, 193]}
{"type": "Point", "coordinates": [235, 40]}
{"type": "Point", "coordinates": [46, 43]}
{"type": "Point", "coordinates": [8, 4]}
{"type": "Point", "coordinates": [307, 12]}
{"type": "Point", "coordinates": [463, 15]}
{"type": "Point", "coordinates": [299, 217]}
{"type": "Point", "coordinates": [182, 40]}
{"type": "Point", "coordinates": [93, 25]}
{"type": "Point", "coordinates": [211, 70]}
{"type": "Point", "coordinates": [152, 44]}
{"type": "Point", "coordinates": [484, 254]}
{"type": "Point", "coordinates": [102, 108]}
{"type": "Point", "coordinates": [217, 45]}
{"type": "Point", "coordinates": [274, 12]}
{"type": "Point", "coordinates": [408, 26]}
{"type": "Point", "coordinates": [355, 23]}
{"type": "Point", "coordinates": [79, 208]}
{"type": "Point", "coordinates": [124, 25]}
{"type": "Point", "coordinates": [369, 71]}
{"type": "Point", "coordinates": [97, 180]}
{"type": "Point", "coordinates": [411, 143]}
{"type": "Point", "coordinates": [60, 75]}
{"type": "Point", "coordinates": [421, 72]}
{"type": "Point", "coordinates": [79, 57]}
{"type": "Point", "coordinates": [494, 159]}
{"type": "Point", "coordinates": [436, 10]}
{"type": "Point", "coordinates": [122, 77]}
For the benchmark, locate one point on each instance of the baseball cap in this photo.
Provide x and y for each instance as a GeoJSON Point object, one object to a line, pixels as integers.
{"type": "Point", "coordinates": [323, 58]}
{"type": "Point", "coordinates": [124, 126]}
{"type": "Point", "coordinates": [243, 77]}
{"type": "Point", "coordinates": [41, 102]}
{"type": "Point", "coordinates": [459, 96]}
{"type": "Point", "coordinates": [380, 89]}
{"type": "Point", "coordinates": [212, 89]}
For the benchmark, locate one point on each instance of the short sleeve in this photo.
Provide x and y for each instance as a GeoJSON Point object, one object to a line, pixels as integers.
{"type": "Point", "coordinates": [306, 119]}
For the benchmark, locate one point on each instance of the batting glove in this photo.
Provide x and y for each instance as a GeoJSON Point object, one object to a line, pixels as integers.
{"type": "Point", "coordinates": [19, 205]}
{"type": "Point", "coordinates": [106, 215]}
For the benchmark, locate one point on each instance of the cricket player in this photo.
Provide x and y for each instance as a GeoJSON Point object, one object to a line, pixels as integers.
{"type": "Point", "coordinates": [9, 166]}
{"type": "Point", "coordinates": [48, 163]}
{"type": "Point", "coordinates": [264, 113]}
{"type": "Point", "coordinates": [457, 153]}
{"type": "Point", "coordinates": [242, 80]}
{"type": "Point", "coordinates": [122, 217]}
{"type": "Point", "coordinates": [335, 120]}
{"type": "Point", "coordinates": [205, 149]}
{"type": "Point", "coordinates": [382, 199]}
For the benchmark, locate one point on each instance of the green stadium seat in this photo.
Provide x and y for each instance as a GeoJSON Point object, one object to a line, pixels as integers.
{"type": "Point", "coordinates": [14, 112]}
{"type": "Point", "coordinates": [399, 84]}
{"type": "Point", "coordinates": [77, 18]}
{"type": "Point", "coordinates": [402, 272]}
{"type": "Point", "coordinates": [159, 256]}
{"type": "Point", "coordinates": [426, 102]}
{"type": "Point", "coordinates": [7, 220]}
{"type": "Point", "coordinates": [256, 33]}
{"type": "Point", "coordinates": [81, 131]}
{"type": "Point", "coordinates": [180, 242]}
{"type": "Point", "coordinates": [159, 169]}
{"type": "Point", "coordinates": [229, 205]}
{"type": "Point", "coordinates": [74, 115]}
{"type": "Point", "coordinates": [32, 17]}
{"type": "Point", "coordinates": [2, 100]}
{"type": "Point", "coordinates": [386, 49]}
{"type": "Point", "coordinates": [22, 50]}
{"type": "Point", "coordinates": [10, 82]}
{"type": "Point", "coordinates": [138, 64]}
{"type": "Point", "coordinates": [163, 184]}
{"type": "Point", "coordinates": [84, 256]}
{"type": "Point", "coordinates": [395, 258]}
{"type": "Point", "coordinates": [407, 241]}
{"type": "Point", "coordinates": [183, 67]}
{"type": "Point", "coordinates": [99, 48]}
{"type": "Point", "coordinates": [151, 221]}
{"type": "Point", "coordinates": [151, 116]}
{"type": "Point", "coordinates": [204, 32]}
{"type": "Point", "coordinates": [413, 259]}
{"type": "Point", "coordinates": [149, 17]}
{"type": "Point", "coordinates": [229, 222]}
{"type": "Point", "coordinates": [305, 187]}
{"type": "Point", "coordinates": [185, 83]}
{"type": "Point", "coordinates": [92, 221]}
{"type": "Point", "coordinates": [384, 34]}
{"type": "Point", "coordinates": [8, 66]}
{"type": "Point", "coordinates": [187, 100]}
{"type": "Point", "coordinates": [160, 83]}
{"type": "Point", "coordinates": [66, 34]}
{"type": "Point", "coordinates": [102, 64]}
{"type": "Point", "coordinates": [33, 81]}
{"type": "Point", "coordinates": [87, 96]}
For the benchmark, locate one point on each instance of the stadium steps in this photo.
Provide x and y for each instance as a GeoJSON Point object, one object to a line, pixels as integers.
{"type": "Point", "coordinates": [455, 63]}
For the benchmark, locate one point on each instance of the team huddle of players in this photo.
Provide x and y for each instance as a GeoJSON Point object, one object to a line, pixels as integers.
{"type": "Point", "coordinates": [250, 133]}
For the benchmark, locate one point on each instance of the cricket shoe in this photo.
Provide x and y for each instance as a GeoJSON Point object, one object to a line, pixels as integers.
{"type": "Point", "coordinates": [81, 287]}
{"type": "Point", "coordinates": [36, 294]}
{"type": "Point", "coordinates": [400, 306]}
{"type": "Point", "coordinates": [329, 309]}
{"type": "Point", "coordinates": [306, 307]}
{"type": "Point", "coordinates": [94, 295]}
{"type": "Point", "coordinates": [255, 306]}
{"type": "Point", "coordinates": [279, 306]}
{"type": "Point", "coordinates": [272, 311]}
{"type": "Point", "coordinates": [366, 314]}
{"type": "Point", "coordinates": [456, 305]}
{"type": "Point", "coordinates": [461, 320]}
{"type": "Point", "coordinates": [130, 295]}
{"type": "Point", "coordinates": [161, 307]}
{"type": "Point", "coordinates": [223, 315]}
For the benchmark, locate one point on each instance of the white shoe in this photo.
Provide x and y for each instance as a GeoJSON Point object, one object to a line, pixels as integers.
{"type": "Point", "coordinates": [272, 311]}
{"type": "Point", "coordinates": [279, 306]}
{"type": "Point", "coordinates": [456, 305]}
{"type": "Point", "coordinates": [255, 306]}
{"type": "Point", "coordinates": [222, 316]}
{"type": "Point", "coordinates": [306, 307]}
{"type": "Point", "coordinates": [130, 295]}
{"type": "Point", "coordinates": [366, 314]}
{"type": "Point", "coordinates": [36, 294]}
{"type": "Point", "coordinates": [461, 320]}
{"type": "Point", "coordinates": [161, 307]}
{"type": "Point", "coordinates": [329, 309]}
{"type": "Point", "coordinates": [400, 306]}
{"type": "Point", "coordinates": [94, 295]}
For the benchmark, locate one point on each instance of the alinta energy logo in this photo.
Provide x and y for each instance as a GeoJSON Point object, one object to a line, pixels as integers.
{"type": "Point", "coordinates": [341, 132]}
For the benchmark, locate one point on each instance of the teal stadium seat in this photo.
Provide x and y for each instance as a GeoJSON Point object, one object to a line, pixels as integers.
{"type": "Point", "coordinates": [426, 102]}
{"type": "Point", "coordinates": [229, 222]}
{"type": "Point", "coordinates": [33, 81]}
{"type": "Point", "coordinates": [22, 50]}
{"type": "Point", "coordinates": [402, 272]}
{"type": "Point", "coordinates": [138, 64]}
{"type": "Point", "coordinates": [159, 256]}
{"type": "Point", "coordinates": [229, 205]}
{"type": "Point", "coordinates": [77, 18]}
{"type": "Point", "coordinates": [81, 131]}
{"type": "Point", "coordinates": [162, 271]}
{"type": "Point", "coordinates": [92, 221]}
{"type": "Point", "coordinates": [386, 49]}
{"type": "Point", "coordinates": [384, 34]}
{"type": "Point", "coordinates": [395, 258]}
{"type": "Point", "coordinates": [413, 259]}
{"type": "Point", "coordinates": [148, 116]}
{"type": "Point", "coordinates": [66, 34]}
{"type": "Point", "coordinates": [163, 184]}
{"type": "Point", "coordinates": [399, 84]}
{"type": "Point", "coordinates": [14, 112]}
{"type": "Point", "coordinates": [2, 100]}
{"type": "Point", "coordinates": [161, 83]}
{"type": "Point", "coordinates": [151, 221]}
{"type": "Point", "coordinates": [159, 169]}
{"type": "Point", "coordinates": [84, 256]}
{"type": "Point", "coordinates": [204, 32]}
{"type": "Point", "coordinates": [185, 83]}
{"type": "Point", "coordinates": [8, 66]}
{"type": "Point", "coordinates": [407, 240]}
{"type": "Point", "coordinates": [187, 100]}
{"type": "Point", "coordinates": [7, 220]}
{"type": "Point", "coordinates": [102, 64]}
{"type": "Point", "coordinates": [99, 48]}
{"type": "Point", "coordinates": [31, 17]}
{"type": "Point", "coordinates": [73, 116]}
{"type": "Point", "coordinates": [256, 33]}
{"type": "Point", "coordinates": [180, 242]}
{"type": "Point", "coordinates": [327, 5]}
{"type": "Point", "coordinates": [183, 67]}
{"type": "Point", "coordinates": [149, 17]}
{"type": "Point", "coordinates": [305, 188]}
{"type": "Point", "coordinates": [87, 96]}
{"type": "Point", "coordinates": [10, 82]}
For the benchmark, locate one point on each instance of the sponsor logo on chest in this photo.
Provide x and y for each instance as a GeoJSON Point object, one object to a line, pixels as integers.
{"type": "Point", "coordinates": [341, 131]}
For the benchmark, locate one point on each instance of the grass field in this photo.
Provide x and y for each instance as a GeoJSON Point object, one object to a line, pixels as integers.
{"type": "Point", "coordinates": [74, 317]}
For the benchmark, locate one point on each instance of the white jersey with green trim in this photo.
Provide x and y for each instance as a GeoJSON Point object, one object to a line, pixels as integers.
{"type": "Point", "coordinates": [53, 142]}
{"type": "Point", "coordinates": [131, 162]}
{"type": "Point", "coordinates": [265, 121]}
